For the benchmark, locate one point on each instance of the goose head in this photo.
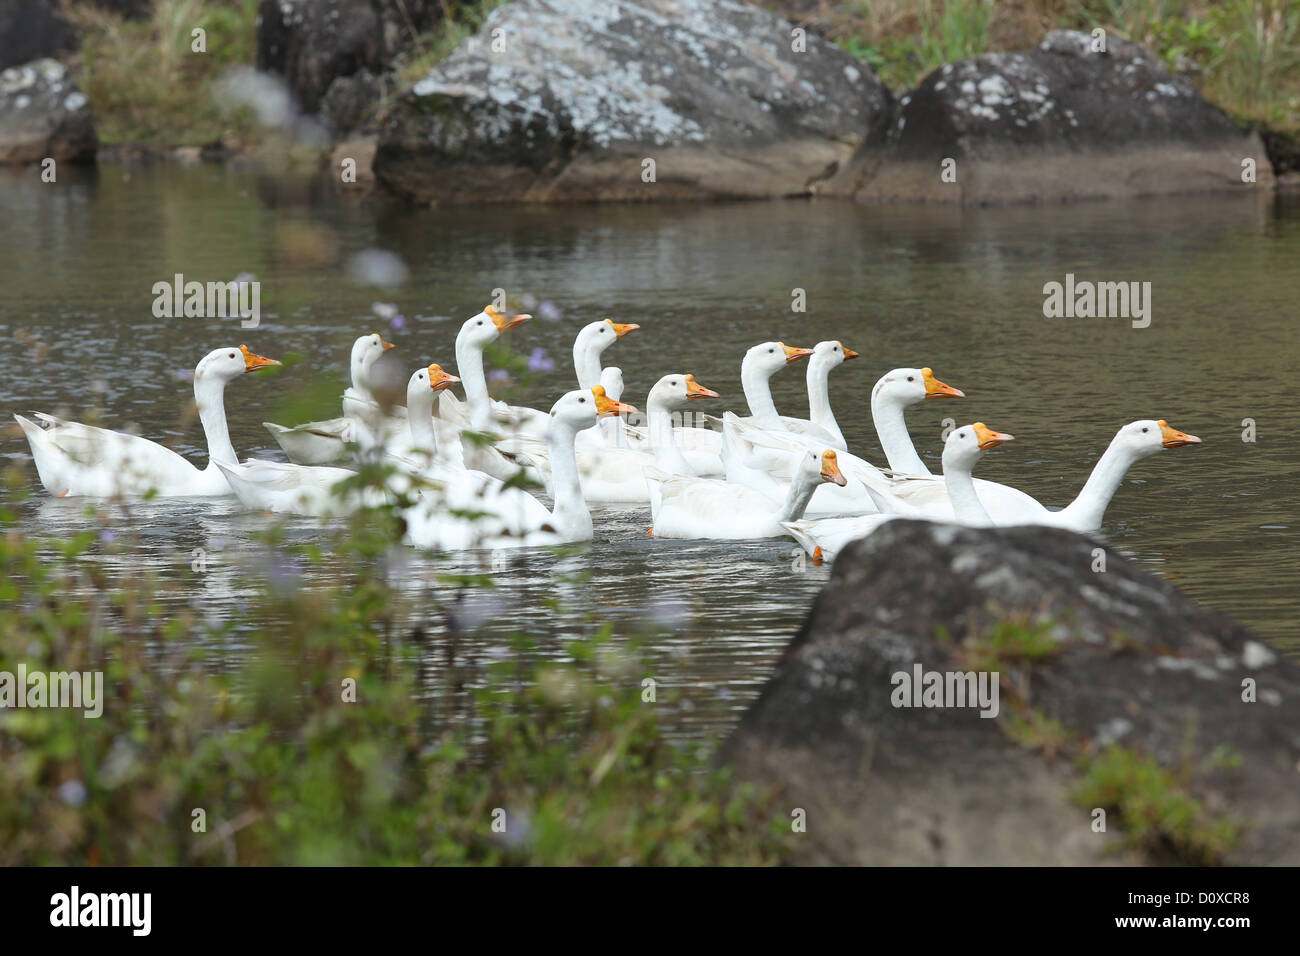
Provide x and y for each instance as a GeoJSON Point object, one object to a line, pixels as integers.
{"type": "Point", "coordinates": [424, 382]}
{"type": "Point", "coordinates": [583, 406]}
{"type": "Point", "coordinates": [966, 445]}
{"type": "Point", "coordinates": [598, 336]}
{"type": "Point", "coordinates": [611, 380]}
{"type": "Point", "coordinates": [768, 358]}
{"type": "Point", "coordinates": [910, 386]}
{"type": "Point", "coordinates": [811, 468]}
{"type": "Point", "coordinates": [366, 351]}
{"type": "Point", "coordinates": [678, 389]}
{"type": "Point", "coordinates": [479, 330]}
{"type": "Point", "coordinates": [225, 365]}
{"type": "Point", "coordinates": [830, 355]}
{"type": "Point", "coordinates": [1146, 437]}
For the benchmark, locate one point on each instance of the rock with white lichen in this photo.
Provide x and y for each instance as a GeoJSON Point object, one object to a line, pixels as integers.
{"type": "Point", "coordinates": [1115, 692]}
{"type": "Point", "coordinates": [559, 100]}
{"type": "Point", "coordinates": [44, 116]}
{"type": "Point", "coordinates": [1059, 122]}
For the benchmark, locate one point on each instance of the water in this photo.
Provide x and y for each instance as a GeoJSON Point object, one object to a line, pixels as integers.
{"type": "Point", "coordinates": [958, 290]}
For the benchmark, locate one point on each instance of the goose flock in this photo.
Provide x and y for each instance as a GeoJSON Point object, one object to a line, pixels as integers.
{"type": "Point", "coordinates": [456, 466]}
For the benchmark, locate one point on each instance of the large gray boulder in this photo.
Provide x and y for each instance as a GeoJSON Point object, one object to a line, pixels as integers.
{"type": "Point", "coordinates": [558, 100]}
{"type": "Point", "coordinates": [1119, 657]}
{"type": "Point", "coordinates": [43, 115]}
{"type": "Point", "coordinates": [1059, 122]}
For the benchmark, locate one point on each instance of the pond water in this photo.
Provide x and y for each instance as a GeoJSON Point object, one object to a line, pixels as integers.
{"type": "Point", "coordinates": [960, 290]}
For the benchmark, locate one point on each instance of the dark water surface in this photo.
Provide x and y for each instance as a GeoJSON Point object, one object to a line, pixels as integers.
{"type": "Point", "coordinates": [958, 290]}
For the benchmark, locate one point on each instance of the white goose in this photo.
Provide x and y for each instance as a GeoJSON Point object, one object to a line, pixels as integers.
{"type": "Point", "coordinates": [479, 411]}
{"type": "Point", "coordinates": [319, 443]}
{"type": "Point", "coordinates": [75, 459]}
{"type": "Point", "coordinates": [569, 521]}
{"type": "Point", "coordinates": [709, 508]}
{"type": "Point", "coordinates": [1010, 506]}
{"type": "Point", "coordinates": [826, 357]}
{"type": "Point", "coordinates": [826, 537]}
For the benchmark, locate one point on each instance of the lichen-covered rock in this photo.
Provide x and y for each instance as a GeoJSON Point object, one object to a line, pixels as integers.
{"type": "Point", "coordinates": [43, 115]}
{"type": "Point", "coordinates": [1059, 122]}
{"type": "Point", "coordinates": [311, 43]}
{"type": "Point", "coordinates": [558, 100]}
{"type": "Point", "coordinates": [1121, 657]}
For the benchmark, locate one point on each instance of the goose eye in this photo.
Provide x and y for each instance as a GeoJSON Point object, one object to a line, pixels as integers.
{"type": "Point", "coordinates": [479, 322]}
{"type": "Point", "coordinates": [582, 401]}
{"type": "Point", "coordinates": [961, 434]}
{"type": "Point", "coordinates": [232, 355]}
{"type": "Point", "coordinates": [1145, 430]}
{"type": "Point", "coordinates": [770, 351]}
{"type": "Point", "coordinates": [911, 378]}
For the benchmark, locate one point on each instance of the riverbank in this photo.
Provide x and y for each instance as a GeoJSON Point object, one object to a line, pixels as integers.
{"type": "Point", "coordinates": [152, 95]}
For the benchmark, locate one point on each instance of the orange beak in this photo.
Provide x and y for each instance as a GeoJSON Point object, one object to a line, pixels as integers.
{"type": "Point", "coordinates": [794, 355]}
{"type": "Point", "coordinates": [504, 322]}
{"type": "Point", "coordinates": [620, 329]}
{"type": "Point", "coordinates": [936, 389]}
{"type": "Point", "coordinates": [831, 469]}
{"type": "Point", "coordinates": [989, 438]}
{"type": "Point", "coordinates": [253, 361]}
{"type": "Point", "coordinates": [388, 346]}
{"type": "Point", "coordinates": [438, 379]}
{"type": "Point", "coordinates": [695, 390]}
{"type": "Point", "coordinates": [606, 406]}
{"type": "Point", "coordinates": [848, 352]}
{"type": "Point", "coordinates": [1173, 438]}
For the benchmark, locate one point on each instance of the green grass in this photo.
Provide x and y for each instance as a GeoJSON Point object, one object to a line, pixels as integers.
{"type": "Point", "coordinates": [1155, 811]}
{"type": "Point", "coordinates": [1009, 642]}
{"type": "Point", "coordinates": [145, 83]}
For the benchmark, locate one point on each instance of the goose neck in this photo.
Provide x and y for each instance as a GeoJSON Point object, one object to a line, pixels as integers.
{"type": "Point", "coordinates": [891, 428]}
{"type": "Point", "coordinates": [1087, 510]}
{"type": "Point", "coordinates": [966, 505]}
{"type": "Point", "coordinates": [758, 391]}
{"type": "Point", "coordinates": [210, 398]}
{"type": "Point", "coordinates": [570, 515]}
{"type": "Point", "coordinates": [469, 366]}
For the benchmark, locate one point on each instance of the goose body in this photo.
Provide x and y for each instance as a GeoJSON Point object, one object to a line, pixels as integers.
{"type": "Point", "coordinates": [689, 507]}
{"type": "Point", "coordinates": [73, 459]}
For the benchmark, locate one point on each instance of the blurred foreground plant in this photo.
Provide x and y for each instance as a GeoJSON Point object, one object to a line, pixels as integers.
{"type": "Point", "coordinates": [326, 734]}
